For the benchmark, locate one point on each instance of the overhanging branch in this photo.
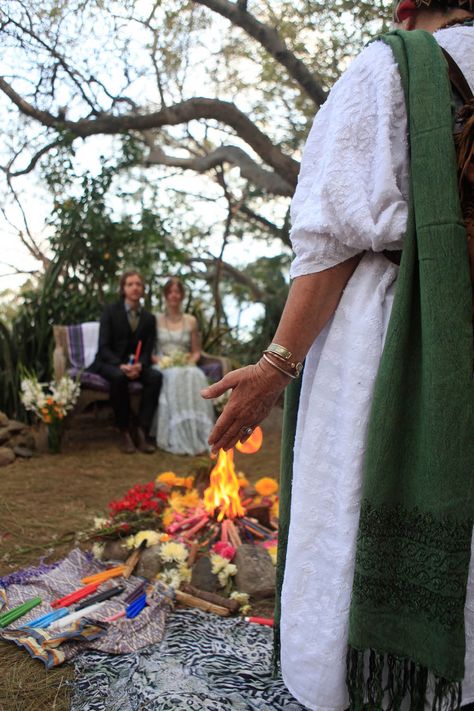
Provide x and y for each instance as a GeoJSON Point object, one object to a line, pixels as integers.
{"type": "Point", "coordinates": [183, 112]}
{"type": "Point", "coordinates": [269, 38]}
{"type": "Point", "coordinates": [249, 169]}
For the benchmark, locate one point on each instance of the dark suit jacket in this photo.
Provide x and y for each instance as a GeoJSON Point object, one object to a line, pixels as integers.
{"type": "Point", "coordinates": [117, 341]}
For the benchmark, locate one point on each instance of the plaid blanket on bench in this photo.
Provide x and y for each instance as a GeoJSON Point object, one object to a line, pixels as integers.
{"type": "Point", "coordinates": [82, 341]}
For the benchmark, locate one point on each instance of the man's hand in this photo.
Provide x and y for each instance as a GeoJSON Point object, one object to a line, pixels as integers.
{"type": "Point", "coordinates": [131, 371]}
{"type": "Point", "coordinates": [255, 389]}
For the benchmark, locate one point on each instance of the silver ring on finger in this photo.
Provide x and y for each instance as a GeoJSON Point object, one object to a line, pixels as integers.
{"type": "Point", "coordinates": [246, 431]}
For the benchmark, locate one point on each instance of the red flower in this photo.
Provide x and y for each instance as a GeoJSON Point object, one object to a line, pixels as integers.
{"type": "Point", "coordinates": [224, 549]}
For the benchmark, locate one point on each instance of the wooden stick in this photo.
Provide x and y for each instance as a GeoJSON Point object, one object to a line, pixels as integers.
{"type": "Point", "coordinates": [193, 551]}
{"type": "Point", "coordinates": [233, 534]}
{"type": "Point", "coordinates": [132, 560]}
{"type": "Point", "coordinates": [216, 599]}
{"type": "Point", "coordinates": [192, 601]}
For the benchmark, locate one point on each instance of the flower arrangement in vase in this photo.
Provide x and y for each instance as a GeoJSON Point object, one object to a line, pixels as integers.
{"type": "Point", "coordinates": [50, 402]}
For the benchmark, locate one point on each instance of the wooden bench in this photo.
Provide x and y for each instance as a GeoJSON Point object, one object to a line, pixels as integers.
{"type": "Point", "coordinates": [70, 359]}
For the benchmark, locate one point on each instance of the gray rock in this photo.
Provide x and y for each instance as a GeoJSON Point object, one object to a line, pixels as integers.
{"type": "Point", "coordinates": [22, 451]}
{"type": "Point", "coordinates": [115, 550]}
{"type": "Point", "coordinates": [4, 435]}
{"type": "Point", "coordinates": [255, 571]}
{"type": "Point", "coordinates": [3, 419]}
{"type": "Point", "coordinates": [23, 439]}
{"type": "Point", "coordinates": [14, 426]}
{"type": "Point", "coordinates": [7, 456]}
{"type": "Point", "coordinates": [150, 563]}
{"type": "Point", "coordinates": [203, 577]}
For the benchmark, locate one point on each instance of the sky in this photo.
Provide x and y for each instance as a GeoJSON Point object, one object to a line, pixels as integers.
{"type": "Point", "coordinates": [36, 202]}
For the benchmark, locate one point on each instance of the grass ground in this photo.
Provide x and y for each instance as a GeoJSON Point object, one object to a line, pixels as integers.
{"type": "Point", "coordinates": [47, 500]}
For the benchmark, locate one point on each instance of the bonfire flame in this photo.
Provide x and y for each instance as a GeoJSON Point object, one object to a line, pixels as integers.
{"type": "Point", "coordinates": [223, 490]}
{"type": "Point", "coordinates": [222, 493]}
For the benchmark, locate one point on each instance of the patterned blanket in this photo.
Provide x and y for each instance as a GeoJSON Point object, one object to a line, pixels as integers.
{"type": "Point", "coordinates": [51, 582]}
{"type": "Point", "coordinates": [204, 663]}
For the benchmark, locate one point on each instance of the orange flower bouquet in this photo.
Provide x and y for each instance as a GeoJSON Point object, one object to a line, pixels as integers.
{"type": "Point", "coordinates": [50, 402]}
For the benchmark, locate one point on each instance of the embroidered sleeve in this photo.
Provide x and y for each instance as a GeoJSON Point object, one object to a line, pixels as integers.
{"type": "Point", "coordinates": [353, 184]}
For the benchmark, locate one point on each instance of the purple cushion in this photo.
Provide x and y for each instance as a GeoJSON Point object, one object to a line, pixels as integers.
{"type": "Point", "coordinates": [212, 371]}
{"type": "Point", "coordinates": [94, 381]}
{"type": "Point", "coordinates": [90, 381]}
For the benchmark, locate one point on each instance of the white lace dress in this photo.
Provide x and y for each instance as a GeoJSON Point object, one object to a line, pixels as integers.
{"type": "Point", "coordinates": [183, 420]}
{"type": "Point", "coordinates": [351, 198]}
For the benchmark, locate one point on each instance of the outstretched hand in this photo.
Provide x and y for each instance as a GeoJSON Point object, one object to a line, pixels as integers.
{"type": "Point", "coordinates": [255, 389]}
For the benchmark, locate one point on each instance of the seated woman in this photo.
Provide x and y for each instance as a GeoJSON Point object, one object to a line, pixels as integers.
{"type": "Point", "coordinates": [183, 420]}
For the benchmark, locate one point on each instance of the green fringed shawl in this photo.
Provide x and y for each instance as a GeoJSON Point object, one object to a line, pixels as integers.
{"type": "Point", "coordinates": [413, 548]}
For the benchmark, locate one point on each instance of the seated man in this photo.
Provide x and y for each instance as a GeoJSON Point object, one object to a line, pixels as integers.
{"type": "Point", "coordinates": [126, 341]}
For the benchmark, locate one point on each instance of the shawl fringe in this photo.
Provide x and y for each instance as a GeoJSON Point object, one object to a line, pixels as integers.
{"type": "Point", "coordinates": [373, 678]}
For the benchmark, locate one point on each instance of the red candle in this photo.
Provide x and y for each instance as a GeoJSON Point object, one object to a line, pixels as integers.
{"type": "Point", "coordinates": [268, 621]}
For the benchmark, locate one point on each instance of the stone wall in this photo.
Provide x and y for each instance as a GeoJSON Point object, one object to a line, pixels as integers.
{"type": "Point", "coordinates": [16, 440]}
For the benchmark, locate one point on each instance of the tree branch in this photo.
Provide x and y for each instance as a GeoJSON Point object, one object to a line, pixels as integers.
{"type": "Point", "coordinates": [249, 169]}
{"type": "Point", "coordinates": [281, 232]}
{"type": "Point", "coordinates": [235, 274]}
{"type": "Point", "coordinates": [192, 109]}
{"type": "Point", "coordinates": [31, 165]}
{"type": "Point", "coordinates": [269, 38]}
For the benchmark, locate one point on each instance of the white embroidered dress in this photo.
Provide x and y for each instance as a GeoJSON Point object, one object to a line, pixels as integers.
{"type": "Point", "coordinates": [351, 198]}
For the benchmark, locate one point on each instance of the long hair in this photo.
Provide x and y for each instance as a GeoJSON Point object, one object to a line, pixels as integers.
{"type": "Point", "coordinates": [174, 281]}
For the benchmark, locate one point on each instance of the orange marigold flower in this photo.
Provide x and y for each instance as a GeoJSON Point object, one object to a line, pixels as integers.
{"type": "Point", "coordinates": [266, 486]}
{"type": "Point", "coordinates": [167, 518]}
{"type": "Point", "coordinates": [167, 478]}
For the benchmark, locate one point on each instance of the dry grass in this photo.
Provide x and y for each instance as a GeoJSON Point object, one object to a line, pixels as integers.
{"type": "Point", "coordinates": [45, 501]}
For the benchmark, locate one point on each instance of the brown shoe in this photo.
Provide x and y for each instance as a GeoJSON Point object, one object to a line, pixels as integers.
{"type": "Point", "coordinates": [143, 444]}
{"type": "Point", "coordinates": [127, 445]}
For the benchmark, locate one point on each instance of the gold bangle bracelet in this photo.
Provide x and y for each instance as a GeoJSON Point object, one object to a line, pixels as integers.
{"type": "Point", "coordinates": [285, 372]}
{"type": "Point", "coordinates": [279, 351]}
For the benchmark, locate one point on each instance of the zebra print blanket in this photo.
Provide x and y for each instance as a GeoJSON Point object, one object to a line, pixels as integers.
{"type": "Point", "coordinates": [204, 663]}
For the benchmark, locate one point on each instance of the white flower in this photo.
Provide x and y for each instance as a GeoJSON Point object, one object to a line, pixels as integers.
{"type": "Point", "coordinates": [241, 597]}
{"type": "Point", "coordinates": [185, 573]}
{"type": "Point", "coordinates": [152, 538]}
{"type": "Point", "coordinates": [171, 578]}
{"type": "Point", "coordinates": [225, 574]}
{"type": "Point", "coordinates": [65, 394]}
{"type": "Point", "coordinates": [100, 522]}
{"type": "Point", "coordinates": [222, 568]}
{"type": "Point", "coordinates": [173, 552]}
{"type": "Point", "coordinates": [218, 563]}
{"type": "Point", "coordinates": [97, 550]}
{"type": "Point", "coordinates": [243, 600]}
{"type": "Point", "coordinates": [32, 394]}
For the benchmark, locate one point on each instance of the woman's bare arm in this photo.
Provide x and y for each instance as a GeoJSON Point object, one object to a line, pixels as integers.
{"type": "Point", "coordinates": [255, 389]}
{"type": "Point", "coordinates": [195, 341]}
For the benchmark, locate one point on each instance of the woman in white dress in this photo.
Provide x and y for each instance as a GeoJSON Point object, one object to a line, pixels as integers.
{"type": "Point", "coordinates": [183, 419]}
{"type": "Point", "coordinates": [350, 206]}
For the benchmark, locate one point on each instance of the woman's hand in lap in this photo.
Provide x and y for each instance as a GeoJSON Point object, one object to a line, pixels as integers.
{"type": "Point", "coordinates": [255, 389]}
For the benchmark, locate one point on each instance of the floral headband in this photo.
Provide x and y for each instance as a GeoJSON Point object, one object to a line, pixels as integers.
{"type": "Point", "coordinates": [409, 7]}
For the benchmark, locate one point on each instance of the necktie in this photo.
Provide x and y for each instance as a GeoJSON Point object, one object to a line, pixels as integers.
{"type": "Point", "coordinates": [133, 319]}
